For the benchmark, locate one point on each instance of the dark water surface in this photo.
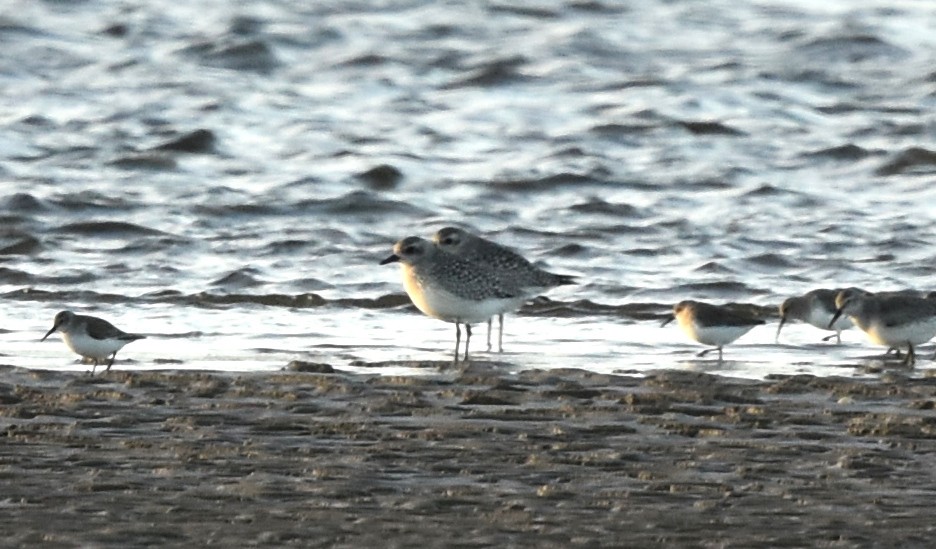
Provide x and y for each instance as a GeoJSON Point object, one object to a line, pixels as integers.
{"type": "Point", "coordinates": [225, 179]}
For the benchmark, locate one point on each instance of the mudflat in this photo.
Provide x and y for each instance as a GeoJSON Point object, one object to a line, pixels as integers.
{"type": "Point", "coordinates": [474, 456]}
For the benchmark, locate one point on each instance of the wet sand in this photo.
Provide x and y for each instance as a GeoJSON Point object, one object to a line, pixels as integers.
{"type": "Point", "coordinates": [467, 457]}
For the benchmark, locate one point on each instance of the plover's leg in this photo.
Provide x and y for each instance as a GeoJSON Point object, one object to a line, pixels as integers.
{"type": "Point", "coordinates": [490, 325]}
{"type": "Point", "coordinates": [111, 363]}
{"type": "Point", "coordinates": [836, 335]}
{"type": "Point", "coordinates": [896, 350]}
{"type": "Point", "coordinates": [705, 352]}
{"type": "Point", "coordinates": [467, 339]}
{"type": "Point", "coordinates": [719, 353]}
{"type": "Point", "coordinates": [500, 334]}
{"type": "Point", "coordinates": [93, 366]}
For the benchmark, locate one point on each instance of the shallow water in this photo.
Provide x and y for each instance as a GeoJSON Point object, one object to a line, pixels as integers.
{"type": "Point", "coordinates": [226, 181]}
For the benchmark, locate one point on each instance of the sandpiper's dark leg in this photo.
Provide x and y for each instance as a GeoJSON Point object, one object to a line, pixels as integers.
{"type": "Point", "coordinates": [910, 360]}
{"type": "Point", "coordinates": [500, 334]}
{"type": "Point", "coordinates": [467, 339]}
{"type": "Point", "coordinates": [895, 350]}
{"type": "Point", "coordinates": [111, 363]}
{"type": "Point", "coordinates": [835, 335]}
{"type": "Point", "coordinates": [719, 354]}
{"type": "Point", "coordinates": [457, 340]}
{"type": "Point", "coordinates": [705, 352]}
{"type": "Point", "coordinates": [490, 327]}
{"type": "Point", "coordinates": [93, 366]}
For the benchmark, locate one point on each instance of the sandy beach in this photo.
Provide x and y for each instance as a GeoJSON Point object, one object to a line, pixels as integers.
{"type": "Point", "coordinates": [224, 178]}
{"type": "Point", "coordinates": [472, 456]}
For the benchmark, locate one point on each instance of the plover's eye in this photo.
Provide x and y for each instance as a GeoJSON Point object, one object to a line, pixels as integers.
{"type": "Point", "coordinates": [448, 241]}
{"type": "Point", "coordinates": [409, 250]}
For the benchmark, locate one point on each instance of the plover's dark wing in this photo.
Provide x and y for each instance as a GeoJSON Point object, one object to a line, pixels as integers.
{"type": "Point", "coordinates": [471, 280]}
{"type": "Point", "coordinates": [510, 266]}
{"type": "Point", "coordinates": [563, 280]}
{"type": "Point", "coordinates": [515, 266]}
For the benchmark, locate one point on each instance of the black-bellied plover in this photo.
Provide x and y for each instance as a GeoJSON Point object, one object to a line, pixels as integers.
{"type": "Point", "coordinates": [892, 319]}
{"type": "Point", "coordinates": [450, 288]}
{"type": "Point", "coordinates": [711, 324]}
{"type": "Point", "coordinates": [91, 337]}
{"type": "Point", "coordinates": [815, 308]}
{"type": "Point", "coordinates": [508, 266]}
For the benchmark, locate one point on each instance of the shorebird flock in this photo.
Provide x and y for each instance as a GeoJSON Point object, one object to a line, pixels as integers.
{"type": "Point", "coordinates": [464, 279]}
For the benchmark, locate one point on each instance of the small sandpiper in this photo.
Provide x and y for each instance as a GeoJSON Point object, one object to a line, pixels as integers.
{"type": "Point", "coordinates": [711, 324]}
{"type": "Point", "coordinates": [815, 308]}
{"type": "Point", "coordinates": [91, 337]}
{"type": "Point", "coordinates": [891, 319]}
{"type": "Point", "coordinates": [450, 288]}
{"type": "Point", "coordinates": [508, 266]}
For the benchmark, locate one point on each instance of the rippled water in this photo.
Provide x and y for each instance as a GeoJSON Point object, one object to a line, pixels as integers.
{"type": "Point", "coordinates": [226, 179]}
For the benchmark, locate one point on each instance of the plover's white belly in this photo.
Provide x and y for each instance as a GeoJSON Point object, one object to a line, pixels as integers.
{"type": "Point", "coordinates": [87, 346]}
{"type": "Point", "coordinates": [714, 335]}
{"type": "Point", "coordinates": [444, 305]}
{"type": "Point", "coordinates": [914, 333]}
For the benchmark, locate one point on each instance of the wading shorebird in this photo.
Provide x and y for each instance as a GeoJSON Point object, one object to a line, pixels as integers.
{"type": "Point", "coordinates": [449, 288]}
{"type": "Point", "coordinates": [815, 308]}
{"type": "Point", "coordinates": [891, 319]}
{"type": "Point", "coordinates": [91, 337]}
{"type": "Point", "coordinates": [508, 266]}
{"type": "Point", "coordinates": [711, 324]}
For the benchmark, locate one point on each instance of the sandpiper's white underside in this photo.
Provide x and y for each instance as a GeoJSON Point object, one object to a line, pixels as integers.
{"type": "Point", "coordinates": [444, 305]}
{"type": "Point", "coordinates": [86, 346]}
{"type": "Point", "coordinates": [716, 336]}
{"type": "Point", "coordinates": [820, 318]}
{"type": "Point", "coordinates": [914, 333]}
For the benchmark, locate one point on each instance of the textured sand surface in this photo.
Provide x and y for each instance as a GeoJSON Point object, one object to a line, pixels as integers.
{"type": "Point", "coordinates": [472, 457]}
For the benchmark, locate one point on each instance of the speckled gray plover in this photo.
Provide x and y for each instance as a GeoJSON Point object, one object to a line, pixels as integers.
{"type": "Point", "coordinates": [816, 308]}
{"type": "Point", "coordinates": [91, 337]}
{"type": "Point", "coordinates": [891, 319]}
{"type": "Point", "coordinates": [711, 324]}
{"type": "Point", "coordinates": [450, 288]}
{"type": "Point", "coordinates": [508, 266]}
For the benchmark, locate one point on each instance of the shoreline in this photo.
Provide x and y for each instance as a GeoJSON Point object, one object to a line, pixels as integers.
{"type": "Point", "coordinates": [468, 457]}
